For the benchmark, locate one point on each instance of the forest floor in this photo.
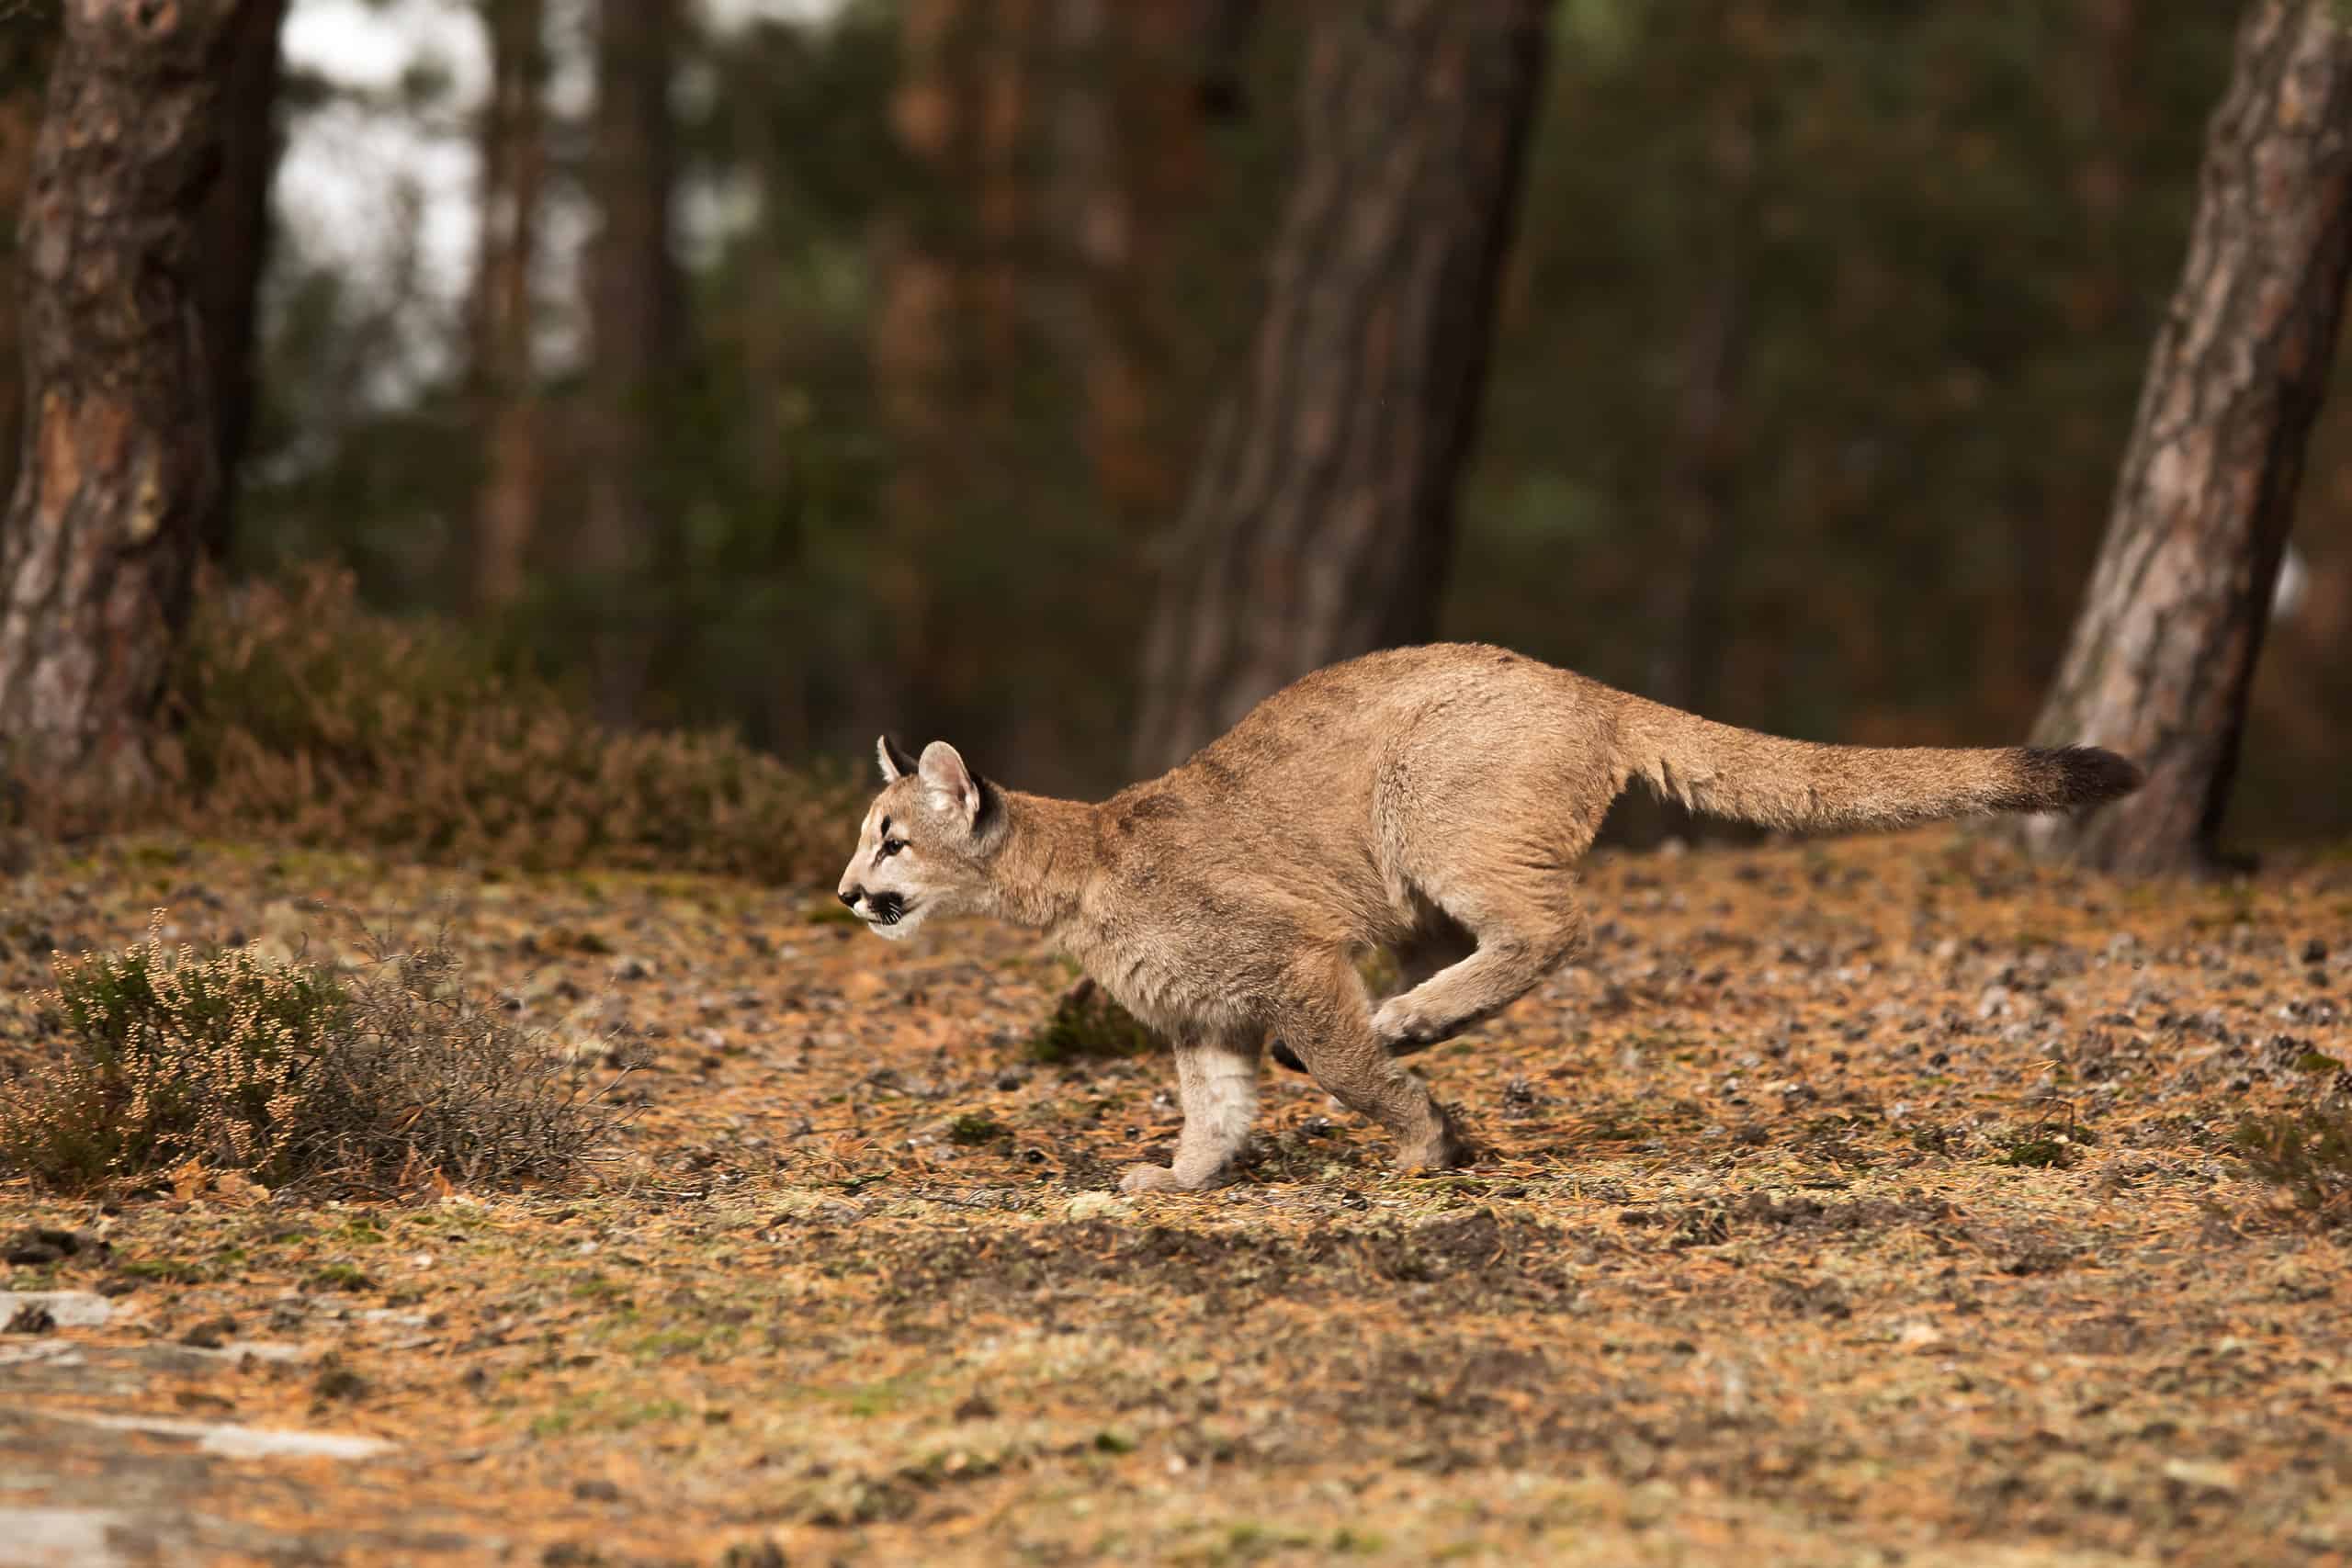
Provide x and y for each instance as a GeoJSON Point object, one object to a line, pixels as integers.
{"type": "Point", "coordinates": [1860, 1202]}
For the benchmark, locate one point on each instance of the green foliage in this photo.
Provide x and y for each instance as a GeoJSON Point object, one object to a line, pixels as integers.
{"type": "Point", "coordinates": [974, 1128]}
{"type": "Point", "coordinates": [1929, 243]}
{"type": "Point", "coordinates": [2036, 1150]}
{"type": "Point", "coordinates": [1088, 1025]}
{"type": "Point", "coordinates": [2307, 1155]}
{"type": "Point", "coordinates": [228, 1062]}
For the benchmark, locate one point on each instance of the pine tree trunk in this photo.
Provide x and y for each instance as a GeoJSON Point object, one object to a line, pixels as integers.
{"type": "Point", "coordinates": [25, 45]}
{"type": "Point", "coordinates": [635, 322]}
{"type": "Point", "coordinates": [2163, 648]}
{"type": "Point", "coordinates": [234, 240]}
{"type": "Point", "coordinates": [119, 466]}
{"type": "Point", "coordinates": [921, 345]}
{"type": "Point", "coordinates": [1129, 166]}
{"type": "Point", "coordinates": [1321, 512]}
{"type": "Point", "coordinates": [514, 162]}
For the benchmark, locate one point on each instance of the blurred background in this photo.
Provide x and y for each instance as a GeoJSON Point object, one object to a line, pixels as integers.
{"type": "Point", "coordinates": [814, 368]}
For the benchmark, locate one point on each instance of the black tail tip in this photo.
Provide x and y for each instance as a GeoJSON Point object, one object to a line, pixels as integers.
{"type": "Point", "coordinates": [2086, 775]}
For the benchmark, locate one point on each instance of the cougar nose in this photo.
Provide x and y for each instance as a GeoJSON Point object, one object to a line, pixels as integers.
{"type": "Point", "coordinates": [851, 896]}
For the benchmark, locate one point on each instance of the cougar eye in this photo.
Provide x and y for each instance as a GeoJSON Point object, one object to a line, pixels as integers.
{"type": "Point", "coordinates": [892, 846]}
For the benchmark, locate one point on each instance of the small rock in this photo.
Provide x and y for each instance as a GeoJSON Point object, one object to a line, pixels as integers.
{"type": "Point", "coordinates": [632, 969]}
{"type": "Point", "coordinates": [37, 1245]}
{"type": "Point", "coordinates": [2201, 1477]}
{"type": "Point", "coordinates": [2315, 952]}
{"type": "Point", "coordinates": [61, 1309]}
{"type": "Point", "coordinates": [1097, 1206]}
{"type": "Point", "coordinates": [336, 1381]}
{"type": "Point", "coordinates": [33, 1318]}
{"type": "Point", "coordinates": [210, 1334]}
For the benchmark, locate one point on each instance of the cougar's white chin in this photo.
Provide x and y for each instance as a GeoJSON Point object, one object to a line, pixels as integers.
{"type": "Point", "coordinates": [899, 928]}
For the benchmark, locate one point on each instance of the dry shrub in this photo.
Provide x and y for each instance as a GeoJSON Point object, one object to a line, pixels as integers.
{"type": "Point", "coordinates": [1087, 1025]}
{"type": "Point", "coordinates": [302, 715]}
{"type": "Point", "coordinates": [381, 1078]}
{"type": "Point", "coordinates": [2306, 1155]}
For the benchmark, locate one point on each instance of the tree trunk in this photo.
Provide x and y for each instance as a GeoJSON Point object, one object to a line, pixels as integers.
{"type": "Point", "coordinates": [1321, 512]}
{"type": "Point", "coordinates": [1129, 166]}
{"type": "Point", "coordinates": [25, 45]}
{"type": "Point", "coordinates": [234, 240]}
{"type": "Point", "coordinates": [634, 322]}
{"type": "Point", "coordinates": [119, 465]}
{"type": "Point", "coordinates": [2164, 649]}
{"type": "Point", "coordinates": [513, 163]}
{"type": "Point", "coordinates": [921, 345]}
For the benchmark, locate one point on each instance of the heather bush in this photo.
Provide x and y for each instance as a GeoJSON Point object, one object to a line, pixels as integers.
{"type": "Point", "coordinates": [292, 1072]}
{"type": "Point", "coordinates": [1086, 1025]}
{"type": "Point", "coordinates": [300, 716]}
{"type": "Point", "coordinates": [2306, 1155]}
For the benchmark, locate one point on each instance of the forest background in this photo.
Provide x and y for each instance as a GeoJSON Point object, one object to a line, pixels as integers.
{"type": "Point", "coordinates": [867, 388]}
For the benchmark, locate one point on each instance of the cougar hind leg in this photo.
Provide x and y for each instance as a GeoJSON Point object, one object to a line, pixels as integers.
{"type": "Point", "coordinates": [1438, 943]}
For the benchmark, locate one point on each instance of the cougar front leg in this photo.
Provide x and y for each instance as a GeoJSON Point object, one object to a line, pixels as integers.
{"type": "Point", "coordinates": [1218, 1084]}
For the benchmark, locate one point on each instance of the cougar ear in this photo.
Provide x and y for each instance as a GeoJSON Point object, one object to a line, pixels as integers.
{"type": "Point", "coordinates": [896, 764]}
{"type": "Point", "coordinates": [948, 783]}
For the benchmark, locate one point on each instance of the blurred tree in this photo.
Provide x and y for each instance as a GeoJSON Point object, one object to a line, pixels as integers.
{"type": "Point", "coordinates": [26, 44]}
{"type": "Point", "coordinates": [636, 330]}
{"type": "Point", "coordinates": [232, 239]}
{"type": "Point", "coordinates": [2164, 651]}
{"type": "Point", "coordinates": [102, 534]}
{"type": "Point", "coordinates": [1322, 507]}
{"type": "Point", "coordinates": [1135, 85]}
{"type": "Point", "coordinates": [504, 381]}
{"type": "Point", "coordinates": [916, 290]}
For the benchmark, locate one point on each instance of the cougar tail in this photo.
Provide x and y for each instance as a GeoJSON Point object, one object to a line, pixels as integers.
{"type": "Point", "coordinates": [1794, 784]}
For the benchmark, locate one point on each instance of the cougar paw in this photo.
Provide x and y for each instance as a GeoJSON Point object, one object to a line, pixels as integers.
{"type": "Point", "coordinates": [1400, 1026]}
{"type": "Point", "coordinates": [1149, 1178]}
{"type": "Point", "coordinates": [1442, 1149]}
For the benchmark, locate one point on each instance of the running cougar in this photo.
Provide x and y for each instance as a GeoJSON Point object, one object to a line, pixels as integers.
{"type": "Point", "coordinates": [1429, 800]}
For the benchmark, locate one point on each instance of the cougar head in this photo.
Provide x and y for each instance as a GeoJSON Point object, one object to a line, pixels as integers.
{"type": "Point", "coordinates": [921, 850]}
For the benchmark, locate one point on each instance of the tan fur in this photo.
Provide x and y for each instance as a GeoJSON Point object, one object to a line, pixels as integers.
{"type": "Point", "coordinates": [1430, 800]}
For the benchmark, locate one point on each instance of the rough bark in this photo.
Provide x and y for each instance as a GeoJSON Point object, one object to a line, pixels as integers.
{"type": "Point", "coordinates": [233, 239]}
{"type": "Point", "coordinates": [919, 348]}
{"type": "Point", "coordinates": [513, 163]}
{"type": "Point", "coordinates": [635, 323]}
{"type": "Point", "coordinates": [1321, 512]}
{"type": "Point", "coordinates": [1700, 483]}
{"type": "Point", "coordinates": [25, 45]}
{"type": "Point", "coordinates": [2163, 648]}
{"type": "Point", "coordinates": [119, 466]}
{"type": "Point", "coordinates": [1128, 165]}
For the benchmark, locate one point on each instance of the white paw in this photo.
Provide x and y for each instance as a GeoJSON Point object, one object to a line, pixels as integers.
{"type": "Point", "coordinates": [1147, 1178]}
{"type": "Point", "coordinates": [1396, 1024]}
